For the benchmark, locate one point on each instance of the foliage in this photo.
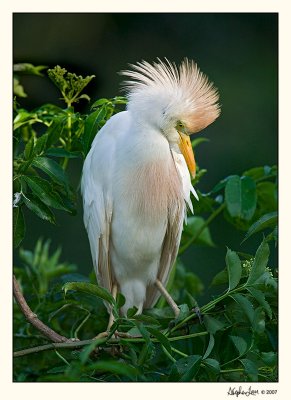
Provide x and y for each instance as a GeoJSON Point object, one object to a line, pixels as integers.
{"type": "Point", "coordinates": [233, 337]}
{"type": "Point", "coordinates": [44, 141]}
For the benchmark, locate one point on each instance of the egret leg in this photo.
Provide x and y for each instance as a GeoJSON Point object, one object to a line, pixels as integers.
{"type": "Point", "coordinates": [111, 317]}
{"type": "Point", "coordinates": [168, 297]}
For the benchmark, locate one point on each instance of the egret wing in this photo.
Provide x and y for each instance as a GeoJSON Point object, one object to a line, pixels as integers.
{"type": "Point", "coordinates": [97, 200]}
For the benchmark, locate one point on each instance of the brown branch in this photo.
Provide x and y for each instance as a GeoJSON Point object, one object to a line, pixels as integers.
{"type": "Point", "coordinates": [32, 318]}
{"type": "Point", "coordinates": [52, 346]}
{"type": "Point", "coordinates": [58, 340]}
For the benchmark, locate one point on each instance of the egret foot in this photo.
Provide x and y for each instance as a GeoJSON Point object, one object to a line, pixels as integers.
{"type": "Point", "coordinates": [101, 335]}
{"type": "Point", "coordinates": [198, 313]}
{"type": "Point", "coordinates": [168, 297]}
{"type": "Point", "coordinates": [111, 317]}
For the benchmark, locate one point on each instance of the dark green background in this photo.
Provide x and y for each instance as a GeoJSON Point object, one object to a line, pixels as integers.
{"type": "Point", "coordinates": [239, 53]}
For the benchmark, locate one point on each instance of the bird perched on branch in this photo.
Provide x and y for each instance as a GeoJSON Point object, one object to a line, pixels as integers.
{"type": "Point", "coordinates": [136, 180]}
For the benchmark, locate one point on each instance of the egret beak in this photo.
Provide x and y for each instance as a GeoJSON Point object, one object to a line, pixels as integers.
{"type": "Point", "coordinates": [187, 151]}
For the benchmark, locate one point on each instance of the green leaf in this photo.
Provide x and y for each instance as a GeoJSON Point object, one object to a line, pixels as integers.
{"type": "Point", "coordinates": [18, 226]}
{"type": "Point", "coordinates": [184, 312]}
{"type": "Point", "coordinates": [161, 338]}
{"type": "Point", "coordinates": [185, 369]}
{"type": "Point", "coordinates": [89, 288]}
{"type": "Point", "coordinates": [250, 368]}
{"type": "Point", "coordinates": [39, 208]}
{"type": "Point", "coordinates": [209, 347]}
{"type": "Point", "coordinates": [24, 117]}
{"type": "Point", "coordinates": [40, 144]}
{"type": "Point", "coordinates": [258, 322]}
{"type": "Point", "coordinates": [212, 365]}
{"type": "Point", "coordinates": [220, 185]}
{"type": "Point", "coordinates": [56, 129]}
{"type": "Point", "coordinates": [240, 344]}
{"type": "Point", "coordinates": [120, 300]}
{"type": "Point", "coordinates": [84, 96]}
{"type": "Point", "coordinates": [273, 236]}
{"type": "Point", "coordinates": [261, 172]}
{"type": "Point", "coordinates": [200, 172]}
{"type": "Point", "coordinates": [148, 347]}
{"type": "Point", "coordinates": [92, 125]}
{"type": "Point", "coordinates": [220, 278]}
{"type": "Point", "coordinates": [165, 313]}
{"type": "Point", "coordinates": [44, 191]}
{"type": "Point", "coordinates": [18, 89]}
{"type": "Point", "coordinates": [29, 69]}
{"type": "Point", "coordinates": [59, 152]}
{"type": "Point", "coordinates": [197, 141]}
{"type": "Point", "coordinates": [234, 268]}
{"type": "Point", "coordinates": [144, 332]}
{"type": "Point", "coordinates": [245, 304]}
{"type": "Point", "coordinates": [28, 150]}
{"type": "Point", "coordinates": [146, 319]}
{"type": "Point", "coordinates": [212, 324]}
{"type": "Point", "coordinates": [240, 197]}
{"type": "Point", "coordinates": [267, 193]}
{"type": "Point", "coordinates": [100, 102]}
{"type": "Point", "coordinates": [131, 312]}
{"type": "Point", "coordinates": [51, 168]}
{"type": "Point", "coordinates": [114, 367]}
{"type": "Point", "coordinates": [119, 100]}
{"type": "Point", "coordinates": [49, 111]}
{"type": "Point", "coordinates": [260, 297]}
{"type": "Point", "coordinates": [260, 263]}
{"type": "Point", "coordinates": [269, 358]}
{"type": "Point", "coordinates": [266, 221]}
{"type": "Point", "coordinates": [194, 224]}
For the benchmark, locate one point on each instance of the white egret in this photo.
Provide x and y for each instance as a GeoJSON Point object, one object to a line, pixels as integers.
{"type": "Point", "coordinates": [136, 185]}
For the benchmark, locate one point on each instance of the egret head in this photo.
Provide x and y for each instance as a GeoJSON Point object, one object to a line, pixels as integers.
{"type": "Point", "coordinates": [177, 101]}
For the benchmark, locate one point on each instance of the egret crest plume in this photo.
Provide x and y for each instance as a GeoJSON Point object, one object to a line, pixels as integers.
{"type": "Point", "coordinates": [183, 92]}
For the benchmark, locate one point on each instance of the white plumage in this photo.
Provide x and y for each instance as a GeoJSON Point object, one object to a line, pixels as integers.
{"type": "Point", "coordinates": [136, 183]}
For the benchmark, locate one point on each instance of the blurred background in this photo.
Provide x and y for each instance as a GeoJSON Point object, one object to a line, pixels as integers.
{"type": "Point", "coordinates": [238, 52]}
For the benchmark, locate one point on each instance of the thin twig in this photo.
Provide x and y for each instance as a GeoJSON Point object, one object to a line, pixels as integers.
{"type": "Point", "coordinates": [98, 342]}
{"type": "Point", "coordinates": [32, 318]}
{"type": "Point", "coordinates": [51, 346]}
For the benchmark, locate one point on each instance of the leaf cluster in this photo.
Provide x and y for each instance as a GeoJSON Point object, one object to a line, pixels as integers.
{"type": "Point", "coordinates": [231, 338]}
{"type": "Point", "coordinates": [248, 202]}
{"type": "Point", "coordinates": [23, 69]}
{"type": "Point", "coordinates": [45, 139]}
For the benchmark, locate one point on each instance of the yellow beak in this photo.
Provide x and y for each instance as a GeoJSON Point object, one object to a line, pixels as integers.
{"type": "Point", "coordinates": [187, 151]}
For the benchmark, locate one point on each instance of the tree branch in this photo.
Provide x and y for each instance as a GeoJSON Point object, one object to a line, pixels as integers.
{"type": "Point", "coordinates": [52, 346]}
{"type": "Point", "coordinates": [32, 318]}
{"type": "Point", "coordinates": [100, 341]}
